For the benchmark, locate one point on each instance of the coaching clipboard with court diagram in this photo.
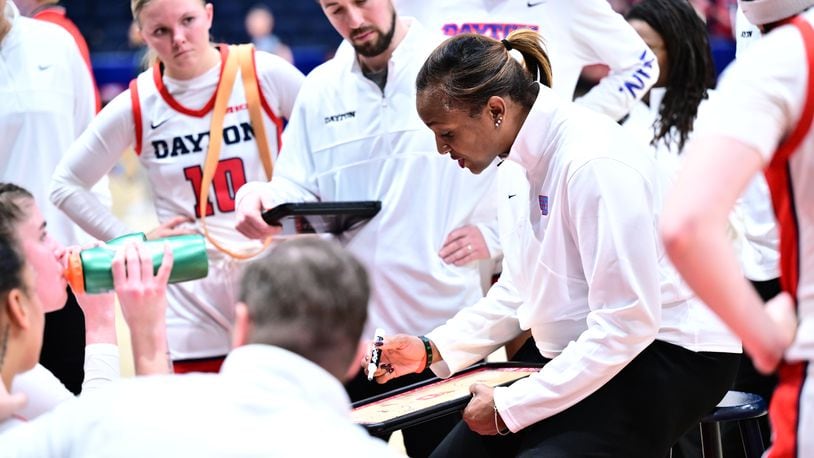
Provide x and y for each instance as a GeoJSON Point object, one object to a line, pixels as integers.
{"type": "Point", "coordinates": [433, 398]}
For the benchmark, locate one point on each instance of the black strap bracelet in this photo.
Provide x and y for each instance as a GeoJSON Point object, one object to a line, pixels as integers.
{"type": "Point", "coordinates": [427, 349]}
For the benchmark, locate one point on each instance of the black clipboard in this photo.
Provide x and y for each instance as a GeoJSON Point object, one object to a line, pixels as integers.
{"type": "Point", "coordinates": [321, 217]}
{"type": "Point", "coordinates": [412, 394]}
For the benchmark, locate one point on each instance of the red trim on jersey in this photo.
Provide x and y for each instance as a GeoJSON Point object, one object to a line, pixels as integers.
{"type": "Point", "coordinates": [778, 174]}
{"type": "Point", "coordinates": [785, 408]}
{"type": "Point", "coordinates": [266, 107]}
{"type": "Point", "coordinates": [56, 15]}
{"type": "Point", "coordinates": [158, 70]}
{"type": "Point", "coordinates": [136, 108]}
{"type": "Point", "coordinates": [198, 365]}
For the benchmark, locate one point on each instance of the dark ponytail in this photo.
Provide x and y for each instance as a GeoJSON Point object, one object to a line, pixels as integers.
{"type": "Point", "coordinates": [465, 70]}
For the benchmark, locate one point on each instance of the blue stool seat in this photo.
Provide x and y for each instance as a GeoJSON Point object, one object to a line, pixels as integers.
{"type": "Point", "coordinates": [744, 408]}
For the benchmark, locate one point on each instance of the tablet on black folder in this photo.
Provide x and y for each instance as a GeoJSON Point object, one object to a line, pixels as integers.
{"type": "Point", "coordinates": [316, 217]}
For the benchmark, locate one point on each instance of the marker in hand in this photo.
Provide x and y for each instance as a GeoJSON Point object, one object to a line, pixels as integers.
{"type": "Point", "coordinates": [375, 354]}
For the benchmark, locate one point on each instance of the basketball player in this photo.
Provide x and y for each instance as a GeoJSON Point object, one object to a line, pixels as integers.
{"type": "Point", "coordinates": [47, 101]}
{"type": "Point", "coordinates": [762, 116]}
{"type": "Point", "coordinates": [166, 116]}
{"type": "Point", "coordinates": [141, 296]}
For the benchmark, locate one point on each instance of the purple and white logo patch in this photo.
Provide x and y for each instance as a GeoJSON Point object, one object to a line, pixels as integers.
{"type": "Point", "coordinates": [543, 204]}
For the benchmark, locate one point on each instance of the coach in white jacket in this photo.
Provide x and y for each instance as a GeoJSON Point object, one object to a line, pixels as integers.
{"type": "Point", "coordinates": [633, 358]}
{"type": "Point", "coordinates": [355, 135]}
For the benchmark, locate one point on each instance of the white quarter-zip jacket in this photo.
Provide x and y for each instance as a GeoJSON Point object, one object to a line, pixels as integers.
{"type": "Point", "coordinates": [583, 266]}
{"type": "Point", "coordinates": [349, 140]}
{"type": "Point", "coordinates": [46, 101]}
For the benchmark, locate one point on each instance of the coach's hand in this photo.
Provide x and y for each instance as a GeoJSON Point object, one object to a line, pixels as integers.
{"type": "Point", "coordinates": [480, 414]}
{"type": "Point", "coordinates": [402, 354]}
{"type": "Point", "coordinates": [249, 220]}
{"type": "Point", "coordinates": [464, 245]}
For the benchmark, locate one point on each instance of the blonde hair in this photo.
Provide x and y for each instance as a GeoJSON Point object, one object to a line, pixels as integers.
{"type": "Point", "coordinates": [137, 5]}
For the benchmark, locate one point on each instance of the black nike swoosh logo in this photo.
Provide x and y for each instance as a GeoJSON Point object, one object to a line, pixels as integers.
{"type": "Point", "coordinates": [44, 66]}
{"type": "Point", "coordinates": [512, 195]}
{"type": "Point", "coordinates": [531, 4]}
{"type": "Point", "coordinates": [156, 126]}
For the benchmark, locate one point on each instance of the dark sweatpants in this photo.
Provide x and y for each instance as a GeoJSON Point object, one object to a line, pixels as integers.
{"type": "Point", "coordinates": [639, 413]}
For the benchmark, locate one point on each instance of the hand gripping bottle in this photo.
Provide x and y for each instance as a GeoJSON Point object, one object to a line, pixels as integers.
{"type": "Point", "coordinates": [89, 270]}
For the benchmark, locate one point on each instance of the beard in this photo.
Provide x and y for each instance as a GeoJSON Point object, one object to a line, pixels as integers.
{"type": "Point", "coordinates": [381, 44]}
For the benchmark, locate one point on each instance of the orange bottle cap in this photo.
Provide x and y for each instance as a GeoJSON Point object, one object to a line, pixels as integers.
{"type": "Point", "coordinates": [74, 273]}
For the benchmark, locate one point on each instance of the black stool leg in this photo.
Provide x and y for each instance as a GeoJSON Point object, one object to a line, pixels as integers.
{"type": "Point", "coordinates": [711, 440]}
{"type": "Point", "coordinates": [751, 437]}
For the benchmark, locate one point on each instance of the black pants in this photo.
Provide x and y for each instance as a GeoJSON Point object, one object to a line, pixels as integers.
{"type": "Point", "coordinates": [639, 413]}
{"type": "Point", "coordinates": [419, 440]}
{"type": "Point", "coordinates": [63, 344]}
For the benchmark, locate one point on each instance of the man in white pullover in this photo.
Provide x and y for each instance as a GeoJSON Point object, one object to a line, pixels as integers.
{"type": "Point", "coordinates": [355, 135]}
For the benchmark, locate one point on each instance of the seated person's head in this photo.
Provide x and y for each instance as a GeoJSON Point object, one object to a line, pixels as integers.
{"type": "Point", "coordinates": [21, 220]}
{"type": "Point", "coordinates": [21, 315]}
{"type": "Point", "coordinates": [308, 296]}
{"type": "Point", "coordinates": [474, 92]}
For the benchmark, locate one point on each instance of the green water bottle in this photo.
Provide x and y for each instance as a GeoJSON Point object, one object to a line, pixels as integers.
{"type": "Point", "coordinates": [89, 270]}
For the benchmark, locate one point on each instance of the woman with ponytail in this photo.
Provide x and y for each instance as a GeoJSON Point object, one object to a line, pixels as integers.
{"type": "Point", "coordinates": [632, 358]}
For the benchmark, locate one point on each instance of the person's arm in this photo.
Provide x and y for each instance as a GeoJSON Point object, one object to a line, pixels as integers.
{"type": "Point", "coordinates": [757, 104]}
{"type": "Point", "coordinates": [294, 178]}
{"type": "Point", "coordinates": [101, 366]}
{"type": "Point", "coordinates": [477, 330]}
{"type": "Point", "coordinates": [611, 212]}
{"type": "Point", "coordinates": [694, 233]}
{"type": "Point", "coordinates": [142, 296]}
{"type": "Point", "coordinates": [606, 38]}
{"type": "Point", "coordinates": [101, 350]}
{"type": "Point", "coordinates": [88, 159]}
{"type": "Point", "coordinates": [464, 339]}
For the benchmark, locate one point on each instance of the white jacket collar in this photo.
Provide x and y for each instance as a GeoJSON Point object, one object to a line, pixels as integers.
{"type": "Point", "coordinates": [266, 364]}
{"type": "Point", "coordinates": [537, 138]}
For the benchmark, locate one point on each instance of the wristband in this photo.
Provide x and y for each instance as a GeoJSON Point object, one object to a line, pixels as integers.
{"type": "Point", "coordinates": [428, 350]}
